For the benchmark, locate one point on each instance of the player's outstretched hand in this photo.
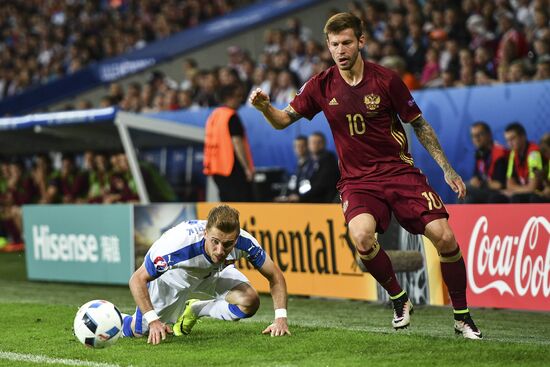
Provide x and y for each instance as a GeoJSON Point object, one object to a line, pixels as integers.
{"type": "Point", "coordinates": [279, 327]}
{"type": "Point", "coordinates": [158, 331]}
{"type": "Point", "coordinates": [456, 183]}
{"type": "Point", "coordinates": [259, 99]}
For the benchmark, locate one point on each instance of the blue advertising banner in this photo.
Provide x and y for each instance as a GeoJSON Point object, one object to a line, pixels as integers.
{"type": "Point", "coordinates": [450, 111]}
{"type": "Point", "coordinates": [58, 118]}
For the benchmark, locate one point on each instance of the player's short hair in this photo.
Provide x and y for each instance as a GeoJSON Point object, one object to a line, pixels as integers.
{"type": "Point", "coordinates": [301, 137]}
{"type": "Point", "coordinates": [342, 21]}
{"type": "Point", "coordinates": [517, 128]}
{"type": "Point", "coordinates": [224, 218]}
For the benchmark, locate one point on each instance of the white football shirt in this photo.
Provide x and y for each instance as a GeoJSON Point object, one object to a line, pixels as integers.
{"type": "Point", "coordinates": [180, 265]}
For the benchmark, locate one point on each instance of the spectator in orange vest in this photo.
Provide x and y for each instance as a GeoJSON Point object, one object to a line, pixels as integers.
{"type": "Point", "coordinates": [227, 155]}
{"type": "Point", "coordinates": [490, 167]}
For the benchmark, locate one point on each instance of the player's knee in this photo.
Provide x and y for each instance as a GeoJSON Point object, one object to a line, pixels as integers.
{"type": "Point", "coordinates": [250, 302]}
{"type": "Point", "coordinates": [446, 241]}
{"type": "Point", "coordinates": [363, 240]}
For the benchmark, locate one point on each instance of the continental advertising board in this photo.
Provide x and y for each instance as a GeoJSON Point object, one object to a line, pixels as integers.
{"type": "Point", "coordinates": [309, 243]}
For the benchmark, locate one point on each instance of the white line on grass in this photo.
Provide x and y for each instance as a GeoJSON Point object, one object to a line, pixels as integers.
{"type": "Point", "coordinates": [33, 358]}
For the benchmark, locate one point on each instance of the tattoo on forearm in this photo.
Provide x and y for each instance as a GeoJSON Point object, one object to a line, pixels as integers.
{"type": "Point", "coordinates": [294, 116]}
{"type": "Point", "coordinates": [427, 137]}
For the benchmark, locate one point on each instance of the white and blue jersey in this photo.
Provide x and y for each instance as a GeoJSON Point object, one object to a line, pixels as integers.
{"type": "Point", "coordinates": [180, 265]}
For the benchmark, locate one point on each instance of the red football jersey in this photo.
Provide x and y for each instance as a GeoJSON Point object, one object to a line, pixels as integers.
{"type": "Point", "coordinates": [370, 140]}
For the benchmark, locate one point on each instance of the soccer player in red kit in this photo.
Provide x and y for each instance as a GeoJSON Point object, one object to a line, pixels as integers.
{"type": "Point", "coordinates": [363, 103]}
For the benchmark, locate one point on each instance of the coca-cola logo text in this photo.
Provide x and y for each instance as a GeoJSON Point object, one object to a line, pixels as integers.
{"type": "Point", "coordinates": [510, 264]}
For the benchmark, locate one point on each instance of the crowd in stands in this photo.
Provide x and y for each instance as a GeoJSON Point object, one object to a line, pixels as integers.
{"type": "Point", "coordinates": [42, 40]}
{"type": "Point", "coordinates": [430, 44]}
{"type": "Point", "coordinates": [100, 178]}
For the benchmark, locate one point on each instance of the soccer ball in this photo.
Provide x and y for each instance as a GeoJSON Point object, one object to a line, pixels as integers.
{"type": "Point", "coordinates": [98, 324]}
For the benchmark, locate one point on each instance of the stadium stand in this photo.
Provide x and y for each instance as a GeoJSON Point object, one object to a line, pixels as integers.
{"type": "Point", "coordinates": [46, 40]}
{"type": "Point", "coordinates": [439, 44]}
{"type": "Point", "coordinates": [431, 43]}
{"type": "Point", "coordinates": [159, 52]}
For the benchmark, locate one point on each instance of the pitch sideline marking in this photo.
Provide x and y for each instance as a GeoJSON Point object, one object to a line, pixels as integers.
{"type": "Point", "coordinates": [33, 358]}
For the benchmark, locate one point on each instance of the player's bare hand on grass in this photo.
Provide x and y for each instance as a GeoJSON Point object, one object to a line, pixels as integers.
{"type": "Point", "coordinates": [279, 327]}
{"type": "Point", "coordinates": [158, 331]}
{"type": "Point", "coordinates": [455, 182]}
{"type": "Point", "coordinates": [259, 99]}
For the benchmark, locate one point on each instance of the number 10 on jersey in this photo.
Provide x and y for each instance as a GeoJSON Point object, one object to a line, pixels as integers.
{"type": "Point", "coordinates": [356, 124]}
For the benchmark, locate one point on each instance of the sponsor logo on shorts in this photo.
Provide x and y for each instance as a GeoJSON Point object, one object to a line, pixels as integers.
{"type": "Point", "coordinates": [345, 206]}
{"type": "Point", "coordinates": [160, 264]}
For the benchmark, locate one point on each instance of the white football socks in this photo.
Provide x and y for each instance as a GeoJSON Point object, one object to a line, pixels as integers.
{"type": "Point", "coordinates": [217, 309]}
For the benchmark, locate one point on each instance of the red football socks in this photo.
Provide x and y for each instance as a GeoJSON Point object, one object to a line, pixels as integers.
{"type": "Point", "coordinates": [453, 270]}
{"type": "Point", "coordinates": [381, 269]}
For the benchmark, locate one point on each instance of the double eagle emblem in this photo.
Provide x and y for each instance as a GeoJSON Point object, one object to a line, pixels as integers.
{"type": "Point", "coordinates": [372, 101]}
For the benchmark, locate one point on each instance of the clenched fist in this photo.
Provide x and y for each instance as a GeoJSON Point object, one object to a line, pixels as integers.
{"type": "Point", "coordinates": [259, 99]}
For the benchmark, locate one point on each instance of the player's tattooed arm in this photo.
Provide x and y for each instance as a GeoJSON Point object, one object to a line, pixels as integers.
{"type": "Point", "coordinates": [292, 114]}
{"type": "Point", "coordinates": [427, 137]}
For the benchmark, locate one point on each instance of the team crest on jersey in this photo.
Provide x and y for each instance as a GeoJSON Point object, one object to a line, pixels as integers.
{"type": "Point", "coordinates": [372, 101]}
{"type": "Point", "coordinates": [160, 264]}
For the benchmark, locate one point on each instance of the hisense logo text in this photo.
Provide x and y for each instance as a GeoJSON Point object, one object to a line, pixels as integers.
{"type": "Point", "coordinates": [64, 247]}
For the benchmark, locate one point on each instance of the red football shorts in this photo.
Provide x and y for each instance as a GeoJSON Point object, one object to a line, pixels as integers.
{"type": "Point", "coordinates": [409, 196]}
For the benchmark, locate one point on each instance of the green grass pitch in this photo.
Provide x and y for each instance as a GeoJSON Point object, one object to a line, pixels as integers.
{"type": "Point", "coordinates": [36, 329]}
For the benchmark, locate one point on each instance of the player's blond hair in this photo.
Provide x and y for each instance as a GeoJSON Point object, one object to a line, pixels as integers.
{"type": "Point", "coordinates": [342, 21]}
{"type": "Point", "coordinates": [224, 218]}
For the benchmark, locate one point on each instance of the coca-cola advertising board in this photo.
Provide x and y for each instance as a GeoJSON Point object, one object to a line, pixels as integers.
{"type": "Point", "coordinates": [506, 249]}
